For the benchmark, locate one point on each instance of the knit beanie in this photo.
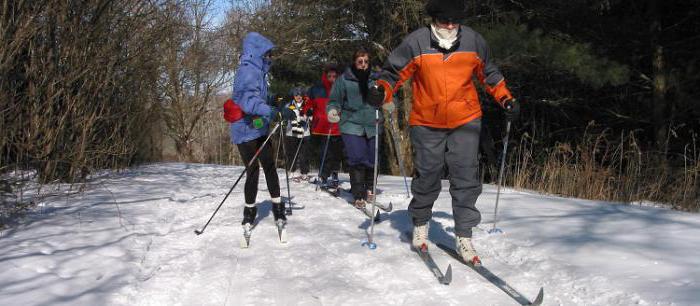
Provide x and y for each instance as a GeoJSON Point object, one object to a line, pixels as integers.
{"type": "Point", "coordinates": [452, 10]}
{"type": "Point", "coordinates": [296, 91]}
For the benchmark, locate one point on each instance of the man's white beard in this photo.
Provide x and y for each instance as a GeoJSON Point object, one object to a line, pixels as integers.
{"type": "Point", "coordinates": [446, 38]}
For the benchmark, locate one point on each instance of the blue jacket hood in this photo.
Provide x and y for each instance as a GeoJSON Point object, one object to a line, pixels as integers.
{"type": "Point", "coordinates": [254, 47]}
{"type": "Point", "coordinates": [250, 88]}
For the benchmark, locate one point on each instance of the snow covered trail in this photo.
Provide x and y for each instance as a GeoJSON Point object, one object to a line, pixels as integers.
{"type": "Point", "coordinates": [129, 240]}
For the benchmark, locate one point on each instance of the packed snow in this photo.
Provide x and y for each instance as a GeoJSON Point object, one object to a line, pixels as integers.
{"type": "Point", "coordinates": [129, 240]}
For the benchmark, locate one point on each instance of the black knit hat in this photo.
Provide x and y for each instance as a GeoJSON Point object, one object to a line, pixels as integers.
{"type": "Point", "coordinates": [296, 91]}
{"type": "Point", "coordinates": [449, 10]}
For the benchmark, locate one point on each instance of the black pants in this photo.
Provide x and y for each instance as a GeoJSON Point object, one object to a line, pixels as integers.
{"type": "Point", "coordinates": [247, 150]}
{"type": "Point", "coordinates": [334, 155]}
{"type": "Point", "coordinates": [302, 162]}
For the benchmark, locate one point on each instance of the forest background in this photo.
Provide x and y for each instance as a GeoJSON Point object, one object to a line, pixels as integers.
{"type": "Point", "coordinates": [608, 87]}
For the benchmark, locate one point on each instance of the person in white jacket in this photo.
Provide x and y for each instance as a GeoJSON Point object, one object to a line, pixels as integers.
{"type": "Point", "coordinates": [298, 135]}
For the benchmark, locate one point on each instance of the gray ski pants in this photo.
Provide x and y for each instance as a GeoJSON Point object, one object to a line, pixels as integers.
{"type": "Point", "coordinates": [457, 148]}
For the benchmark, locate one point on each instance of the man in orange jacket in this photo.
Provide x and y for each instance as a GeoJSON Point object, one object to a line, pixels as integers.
{"type": "Point", "coordinates": [445, 118]}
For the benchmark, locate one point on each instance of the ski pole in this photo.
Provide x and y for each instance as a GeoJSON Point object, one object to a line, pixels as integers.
{"type": "Point", "coordinates": [323, 159]}
{"type": "Point", "coordinates": [253, 160]}
{"type": "Point", "coordinates": [500, 180]}
{"type": "Point", "coordinates": [277, 152]}
{"type": "Point", "coordinates": [288, 211]}
{"type": "Point", "coordinates": [370, 243]}
{"type": "Point", "coordinates": [398, 155]}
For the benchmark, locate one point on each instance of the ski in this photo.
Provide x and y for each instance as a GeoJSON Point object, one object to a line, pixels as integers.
{"type": "Point", "coordinates": [335, 192]}
{"type": "Point", "coordinates": [495, 280]}
{"type": "Point", "coordinates": [247, 232]}
{"type": "Point", "coordinates": [299, 179]}
{"type": "Point", "coordinates": [366, 211]}
{"type": "Point", "coordinates": [290, 205]}
{"type": "Point", "coordinates": [331, 187]}
{"type": "Point", "coordinates": [427, 259]}
{"type": "Point", "coordinates": [282, 230]}
{"type": "Point", "coordinates": [384, 207]}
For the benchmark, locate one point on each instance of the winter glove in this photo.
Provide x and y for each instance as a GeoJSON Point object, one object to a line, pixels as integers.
{"type": "Point", "coordinates": [288, 114]}
{"type": "Point", "coordinates": [333, 116]}
{"type": "Point", "coordinates": [309, 112]}
{"type": "Point", "coordinates": [375, 96]}
{"type": "Point", "coordinates": [512, 109]}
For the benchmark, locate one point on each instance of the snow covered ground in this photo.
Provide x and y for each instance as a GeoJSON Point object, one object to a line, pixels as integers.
{"type": "Point", "coordinates": [129, 240]}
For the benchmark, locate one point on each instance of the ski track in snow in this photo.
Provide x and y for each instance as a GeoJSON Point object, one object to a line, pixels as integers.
{"type": "Point", "coordinates": [88, 250]}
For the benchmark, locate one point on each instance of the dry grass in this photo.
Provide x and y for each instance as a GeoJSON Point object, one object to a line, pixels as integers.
{"type": "Point", "coordinates": [604, 167]}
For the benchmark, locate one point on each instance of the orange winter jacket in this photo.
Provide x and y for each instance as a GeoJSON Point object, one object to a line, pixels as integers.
{"type": "Point", "coordinates": [444, 95]}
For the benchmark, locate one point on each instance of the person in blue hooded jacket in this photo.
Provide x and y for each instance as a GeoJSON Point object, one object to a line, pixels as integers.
{"type": "Point", "coordinates": [250, 92]}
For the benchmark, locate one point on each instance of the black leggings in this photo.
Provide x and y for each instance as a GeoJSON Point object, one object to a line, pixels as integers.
{"type": "Point", "coordinates": [247, 150]}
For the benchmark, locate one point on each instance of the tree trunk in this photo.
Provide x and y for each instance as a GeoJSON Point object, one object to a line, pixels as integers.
{"type": "Point", "coordinates": [659, 104]}
{"type": "Point", "coordinates": [400, 121]}
{"type": "Point", "coordinates": [185, 151]}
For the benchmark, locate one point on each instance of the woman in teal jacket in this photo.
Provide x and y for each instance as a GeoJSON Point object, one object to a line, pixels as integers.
{"type": "Point", "coordinates": [348, 105]}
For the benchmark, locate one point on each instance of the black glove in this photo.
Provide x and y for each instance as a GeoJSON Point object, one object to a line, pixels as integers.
{"type": "Point", "coordinates": [288, 114]}
{"type": "Point", "coordinates": [309, 112]}
{"type": "Point", "coordinates": [375, 96]}
{"type": "Point", "coordinates": [512, 109]}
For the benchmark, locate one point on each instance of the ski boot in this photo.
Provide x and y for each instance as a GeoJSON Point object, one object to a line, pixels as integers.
{"type": "Point", "coordinates": [333, 182]}
{"type": "Point", "coordinates": [249, 214]}
{"type": "Point", "coordinates": [322, 181]}
{"type": "Point", "coordinates": [280, 219]}
{"type": "Point", "coordinates": [359, 203]}
{"type": "Point", "coordinates": [300, 178]}
{"type": "Point", "coordinates": [420, 237]}
{"type": "Point", "coordinates": [466, 250]}
{"type": "Point", "coordinates": [330, 185]}
{"type": "Point", "coordinates": [370, 196]}
{"type": "Point", "coordinates": [278, 211]}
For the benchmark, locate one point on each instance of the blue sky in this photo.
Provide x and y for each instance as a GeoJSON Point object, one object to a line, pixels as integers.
{"type": "Point", "coordinates": [219, 10]}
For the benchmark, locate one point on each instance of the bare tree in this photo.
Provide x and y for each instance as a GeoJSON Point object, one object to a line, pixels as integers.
{"type": "Point", "coordinates": [74, 78]}
{"type": "Point", "coordinates": [196, 66]}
